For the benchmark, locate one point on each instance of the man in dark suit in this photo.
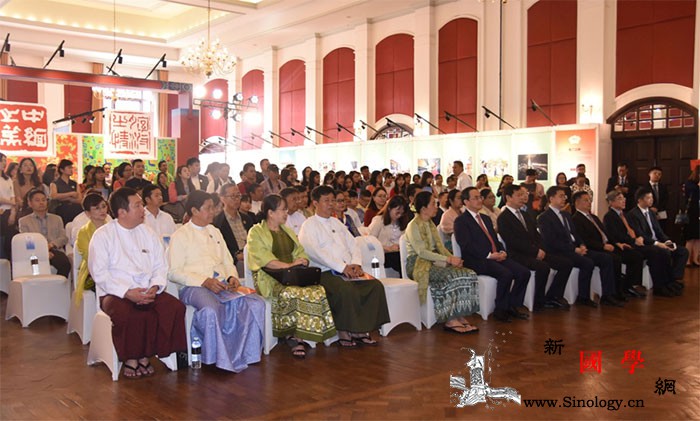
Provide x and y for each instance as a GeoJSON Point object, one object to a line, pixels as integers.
{"type": "Point", "coordinates": [199, 181]}
{"type": "Point", "coordinates": [580, 169]}
{"type": "Point", "coordinates": [482, 252]}
{"type": "Point", "coordinates": [234, 225]}
{"type": "Point", "coordinates": [660, 193]}
{"type": "Point", "coordinates": [594, 235]}
{"type": "Point", "coordinates": [622, 235]}
{"type": "Point", "coordinates": [560, 238]}
{"type": "Point", "coordinates": [524, 244]}
{"type": "Point", "coordinates": [642, 220]}
{"type": "Point", "coordinates": [623, 183]}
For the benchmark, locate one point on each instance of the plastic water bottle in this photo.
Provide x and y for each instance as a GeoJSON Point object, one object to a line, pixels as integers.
{"type": "Point", "coordinates": [35, 264]}
{"type": "Point", "coordinates": [196, 353]}
{"type": "Point", "coordinates": [375, 267]}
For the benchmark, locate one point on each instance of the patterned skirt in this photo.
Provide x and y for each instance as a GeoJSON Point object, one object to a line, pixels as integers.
{"type": "Point", "coordinates": [302, 312]}
{"type": "Point", "coordinates": [455, 291]}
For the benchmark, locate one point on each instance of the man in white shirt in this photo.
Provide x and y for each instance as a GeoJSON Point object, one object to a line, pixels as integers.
{"type": "Point", "coordinates": [127, 262]}
{"type": "Point", "coordinates": [464, 180]}
{"type": "Point", "coordinates": [273, 184]}
{"type": "Point", "coordinates": [256, 196]}
{"type": "Point", "coordinates": [358, 307]}
{"type": "Point", "coordinates": [295, 217]}
{"type": "Point", "coordinates": [160, 222]}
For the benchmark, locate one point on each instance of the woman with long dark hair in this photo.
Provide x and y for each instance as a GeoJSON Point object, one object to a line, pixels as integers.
{"type": "Point", "coordinates": [98, 182]}
{"type": "Point", "coordinates": [505, 180]}
{"type": "Point", "coordinates": [426, 181]}
{"type": "Point", "coordinates": [306, 176]}
{"type": "Point", "coordinates": [65, 191]}
{"type": "Point", "coordinates": [379, 198]}
{"type": "Point", "coordinates": [27, 179]}
{"type": "Point", "coordinates": [400, 187]}
{"type": "Point", "coordinates": [388, 226]}
{"type": "Point", "coordinates": [8, 209]}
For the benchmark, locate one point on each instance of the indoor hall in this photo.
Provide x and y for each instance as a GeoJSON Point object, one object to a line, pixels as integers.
{"type": "Point", "coordinates": [411, 86]}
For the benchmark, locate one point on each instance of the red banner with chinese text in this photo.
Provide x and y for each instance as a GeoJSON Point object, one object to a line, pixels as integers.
{"type": "Point", "coordinates": [130, 136]}
{"type": "Point", "coordinates": [24, 130]}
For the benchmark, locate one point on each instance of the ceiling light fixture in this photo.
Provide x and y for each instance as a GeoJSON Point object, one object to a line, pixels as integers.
{"type": "Point", "coordinates": [209, 57]}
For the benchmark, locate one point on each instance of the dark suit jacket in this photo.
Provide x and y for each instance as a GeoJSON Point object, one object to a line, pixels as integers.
{"type": "Point", "coordinates": [639, 224]}
{"type": "Point", "coordinates": [555, 237]}
{"type": "Point", "coordinates": [589, 234]}
{"type": "Point", "coordinates": [203, 182]}
{"type": "Point", "coordinates": [660, 202]}
{"type": "Point", "coordinates": [222, 224]}
{"type": "Point", "coordinates": [629, 183]}
{"type": "Point", "coordinates": [474, 243]}
{"type": "Point", "coordinates": [519, 242]}
{"type": "Point", "coordinates": [615, 229]}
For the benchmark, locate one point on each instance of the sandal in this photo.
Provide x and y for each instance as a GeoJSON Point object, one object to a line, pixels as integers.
{"type": "Point", "coordinates": [365, 340]}
{"type": "Point", "coordinates": [135, 373]}
{"type": "Point", "coordinates": [347, 343]}
{"type": "Point", "coordinates": [147, 369]}
{"type": "Point", "coordinates": [460, 329]}
{"type": "Point", "coordinates": [298, 347]}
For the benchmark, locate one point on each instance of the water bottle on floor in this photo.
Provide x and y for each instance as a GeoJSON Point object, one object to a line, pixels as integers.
{"type": "Point", "coordinates": [196, 354]}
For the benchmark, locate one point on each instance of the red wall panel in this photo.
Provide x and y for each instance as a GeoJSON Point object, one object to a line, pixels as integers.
{"type": "Point", "coordinates": [655, 42]}
{"type": "Point", "coordinates": [21, 91]}
{"type": "Point", "coordinates": [77, 100]}
{"type": "Point", "coordinates": [551, 61]}
{"type": "Point", "coordinates": [394, 76]}
{"type": "Point", "coordinates": [211, 126]}
{"type": "Point", "coordinates": [338, 94]}
{"type": "Point", "coordinates": [292, 112]}
{"type": "Point", "coordinates": [253, 83]}
{"type": "Point", "coordinates": [457, 74]}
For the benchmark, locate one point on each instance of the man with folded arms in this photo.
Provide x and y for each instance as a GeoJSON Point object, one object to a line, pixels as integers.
{"type": "Point", "coordinates": [596, 237]}
{"type": "Point", "coordinates": [127, 263]}
{"type": "Point", "coordinates": [644, 223]}
{"type": "Point", "coordinates": [358, 307]}
{"type": "Point", "coordinates": [561, 239]}
{"type": "Point", "coordinates": [524, 245]}
{"type": "Point", "coordinates": [483, 253]}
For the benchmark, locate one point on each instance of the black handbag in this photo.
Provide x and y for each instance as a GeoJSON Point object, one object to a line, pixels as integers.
{"type": "Point", "coordinates": [300, 276]}
{"type": "Point", "coordinates": [682, 216]}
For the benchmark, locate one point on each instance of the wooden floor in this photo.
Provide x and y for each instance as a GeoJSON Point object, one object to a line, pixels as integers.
{"type": "Point", "coordinates": [43, 373]}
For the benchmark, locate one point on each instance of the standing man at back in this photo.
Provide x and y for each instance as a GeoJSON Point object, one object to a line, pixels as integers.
{"type": "Point", "coordinates": [464, 180]}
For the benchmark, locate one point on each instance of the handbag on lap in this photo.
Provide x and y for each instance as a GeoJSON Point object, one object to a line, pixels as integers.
{"type": "Point", "coordinates": [300, 276]}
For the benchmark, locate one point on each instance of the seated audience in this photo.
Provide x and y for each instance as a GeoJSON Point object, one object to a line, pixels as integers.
{"type": "Point", "coordinates": [249, 177]}
{"type": "Point", "coordinates": [199, 181]}
{"type": "Point", "coordinates": [123, 173]}
{"type": "Point", "coordinates": [644, 223]}
{"type": "Point", "coordinates": [99, 183]}
{"type": "Point", "coordinates": [295, 217]}
{"type": "Point", "coordinates": [379, 198]}
{"type": "Point", "coordinates": [273, 184]}
{"type": "Point", "coordinates": [454, 200]}
{"type": "Point", "coordinates": [535, 192]}
{"type": "Point", "coordinates": [340, 212]}
{"type": "Point", "coordinates": [388, 226]}
{"type": "Point", "coordinates": [8, 210]}
{"type": "Point", "coordinates": [580, 186]}
{"type": "Point", "coordinates": [50, 226]}
{"type": "Point", "coordinates": [561, 181]}
{"type": "Point", "coordinates": [298, 313]}
{"type": "Point", "coordinates": [505, 181]}
{"type": "Point", "coordinates": [65, 191]}
{"type": "Point", "coordinates": [137, 181]}
{"type": "Point", "coordinates": [27, 179]}
{"type": "Point", "coordinates": [163, 183]}
{"type": "Point", "coordinates": [177, 193]}
{"type": "Point", "coordinates": [489, 206]}
{"type": "Point", "coordinates": [255, 191]}
{"type": "Point", "coordinates": [561, 239]}
{"type": "Point", "coordinates": [594, 236]}
{"type": "Point", "coordinates": [98, 213]}
{"type": "Point", "coordinates": [160, 222]}
{"type": "Point", "coordinates": [524, 245]}
{"type": "Point", "coordinates": [233, 224]}
{"type": "Point", "coordinates": [231, 329]}
{"type": "Point", "coordinates": [482, 252]}
{"type": "Point", "coordinates": [358, 307]}
{"type": "Point", "coordinates": [127, 262]}
{"type": "Point", "coordinates": [454, 288]}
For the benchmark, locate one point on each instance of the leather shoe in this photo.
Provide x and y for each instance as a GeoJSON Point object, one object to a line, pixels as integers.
{"type": "Point", "coordinates": [563, 304]}
{"type": "Point", "coordinates": [586, 302]}
{"type": "Point", "coordinates": [518, 314]}
{"type": "Point", "coordinates": [631, 292]}
{"type": "Point", "coordinates": [680, 285]}
{"type": "Point", "coordinates": [663, 292]}
{"type": "Point", "coordinates": [501, 316]}
{"type": "Point", "coordinates": [610, 301]}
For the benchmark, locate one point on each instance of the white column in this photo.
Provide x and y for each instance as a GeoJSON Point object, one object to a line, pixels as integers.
{"type": "Point", "coordinates": [514, 101]}
{"type": "Point", "coordinates": [488, 65]}
{"type": "Point", "coordinates": [425, 87]}
{"type": "Point", "coordinates": [314, 87]}
{"type": "Point", "coordinates": [364, 78]}
{"type": "Point", "coordinates": [590, 61]}
{"type": "Point", "coordinates": [271, 89]}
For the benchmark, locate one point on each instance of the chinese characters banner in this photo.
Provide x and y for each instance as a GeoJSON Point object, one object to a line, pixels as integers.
{"type": "Point", "coordinates": [24, 130]}
{"type": "Point", "coordinates": [130, 136]}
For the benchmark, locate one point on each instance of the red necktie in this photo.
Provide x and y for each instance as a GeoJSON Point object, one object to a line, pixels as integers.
{"type": "Point", "coordinates": [630, 231]}
{"type": "Point", "coordinates": [483, 228]}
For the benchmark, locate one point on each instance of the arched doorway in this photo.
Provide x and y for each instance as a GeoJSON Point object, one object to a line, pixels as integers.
{"type": "Point", "coordinates": [661, 132]}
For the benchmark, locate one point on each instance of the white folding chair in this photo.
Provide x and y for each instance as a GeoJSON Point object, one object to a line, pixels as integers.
{"type": "Point", "coordinates": [571, 290]}
{"type": "Point", "coordinates": [70, 245]}
{"type": "Point", "coordinates": [174, 290]}
{"type": "Point", "coordinates": [647, 281]}
{"type": "Point", "coordinates": [487, 287]}
{"type": "Point", "coordinates": [102, 345]}
{"type": "Point", "coordinates": [596, 284]}
{"type": "Point", "coordinates": [270, 340]}
{"type": "Point", "coordinates": [401, 294]}
{"type": "Point", "coordinates": [529, 300]}
{"type": "Point", "coordinates": [5, 276]}
{"type": "Point", "coordinates": [81, 315]}
{"type": "Point", "coordinates": [34, 296]}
